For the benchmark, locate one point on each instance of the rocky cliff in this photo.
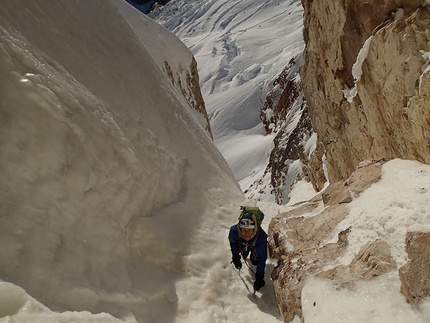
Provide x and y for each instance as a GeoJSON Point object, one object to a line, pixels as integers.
{"type": "Point", "coordinates": [285, 114]}
{"type": "Point", "coordinates": [366, 81]}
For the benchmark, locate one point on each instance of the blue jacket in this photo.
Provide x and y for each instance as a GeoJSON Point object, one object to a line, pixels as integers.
{"type": "Point", "coordinates": [258, 242]}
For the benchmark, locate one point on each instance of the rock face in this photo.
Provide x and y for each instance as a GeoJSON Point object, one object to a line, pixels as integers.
{"type": "Point", "coordinates": [189, 88]}
{"type": "Point", "coordinates": [374, 110]}
{"type": "Point", "coordinates": [374, 259]}
{"type": "Point", "coordinates": [296, 239]}
{"type": "Point", "coordinates": [286, 90]}
{"type": "Point", "coordinates": [285, 113]}
{"type": "Point", "coordinates": [415, 274]}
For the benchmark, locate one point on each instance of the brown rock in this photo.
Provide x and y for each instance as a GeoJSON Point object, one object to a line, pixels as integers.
{"type": "Point", "coordinates": [415, 274]}
{"type": "Point", "coordinates": [277, 241]}
{"type": "Point", "coordinates": [374, 259]}
{"type": "Point", "coordinates": [282, 105]}
{"type": "Point", "coordinates": [190, 90]}
{"type": "Point", "coordinates": [336, 193]}
{"type": "Point", "coordinates": [389, 117]}
{"type": "Point", "coordinates": [304, 232]}
{"type": "Point", "coordinates": [366, 174]}
{"type": "Point", "coordinates": [313, 168]}
{"type": "Point", "coordinates": [299, 250]}
{"type": "Point", "coordinates": [288, 276]}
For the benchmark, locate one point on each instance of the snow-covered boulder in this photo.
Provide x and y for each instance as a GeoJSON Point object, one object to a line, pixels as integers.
{"type": "Point", "coordinates": [297, 238]}
{"type": "Point", "coordinates": [358, 235]}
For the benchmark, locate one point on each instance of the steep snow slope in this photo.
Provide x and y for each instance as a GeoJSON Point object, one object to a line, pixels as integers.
{"type": "Point", "coordinates": [106, 176]}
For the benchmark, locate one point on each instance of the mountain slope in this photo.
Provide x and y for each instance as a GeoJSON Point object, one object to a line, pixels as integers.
{"type": "Point", "coordinates": [107, 173]}
{"type": "Point", "coordinates": [241, 48]}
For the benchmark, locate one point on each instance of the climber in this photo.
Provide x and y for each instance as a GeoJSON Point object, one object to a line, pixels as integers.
{"type": "Point", "coordinates": [247, 237]}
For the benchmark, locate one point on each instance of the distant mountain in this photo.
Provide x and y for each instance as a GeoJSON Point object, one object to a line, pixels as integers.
{"type": "Point", "coordinates": [146, 5]}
